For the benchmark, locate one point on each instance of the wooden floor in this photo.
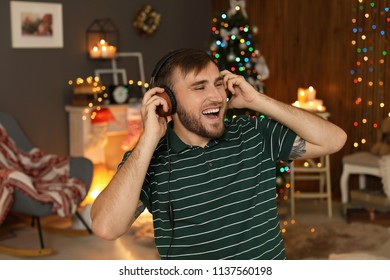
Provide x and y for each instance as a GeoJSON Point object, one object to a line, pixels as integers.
{"type": "Point", "coordinates": [138, 244]}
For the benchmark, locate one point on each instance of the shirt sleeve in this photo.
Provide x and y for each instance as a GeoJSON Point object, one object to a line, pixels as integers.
{"type": "Point", "coordinates": [278, 138]}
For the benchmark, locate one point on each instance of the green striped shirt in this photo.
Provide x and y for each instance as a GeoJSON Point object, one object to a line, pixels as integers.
{"type": "Point", "coordinates": [223, 195]}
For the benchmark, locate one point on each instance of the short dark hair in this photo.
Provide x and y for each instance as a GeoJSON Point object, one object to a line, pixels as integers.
{"type": "Point", "coordinates": [186, 61]}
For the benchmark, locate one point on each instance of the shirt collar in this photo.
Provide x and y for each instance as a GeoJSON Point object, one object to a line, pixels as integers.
{"type": "Point", "coordinates": [177, 145]}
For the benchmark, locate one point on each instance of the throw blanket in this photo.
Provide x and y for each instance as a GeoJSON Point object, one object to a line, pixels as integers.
{"type": "Point", "coordinates": [384, 166]}
{"type": "Point", "coordinates": [42, 177]}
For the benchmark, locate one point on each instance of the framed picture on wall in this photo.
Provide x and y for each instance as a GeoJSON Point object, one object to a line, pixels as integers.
{"type": "Point", "coordinates": [36, 25]}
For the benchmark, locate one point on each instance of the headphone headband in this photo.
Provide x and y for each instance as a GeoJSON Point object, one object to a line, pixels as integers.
{"type": "Point", "coordinates": [161, 63]}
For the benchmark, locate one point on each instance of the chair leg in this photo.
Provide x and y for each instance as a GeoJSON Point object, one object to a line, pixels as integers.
{"type": "Point", "coordinates": [22, 252]}
{"type": "Point", "coordinates": [344, 185]}
{"type": "Point", "coordinates": [83, 222]}
{"type": "Point", "coordinates": [329, 192]}
{"type": "Point", "coordinates": [36, 218]}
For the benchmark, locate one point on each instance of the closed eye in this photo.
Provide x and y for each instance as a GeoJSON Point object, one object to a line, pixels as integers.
{"type": "Point", "coordinates": [218, 82]}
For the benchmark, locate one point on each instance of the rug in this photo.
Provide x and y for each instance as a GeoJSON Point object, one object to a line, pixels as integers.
{"type": "Point", "coordinates": [305, 242]}
{"type": "Point", "coordinates": [142, 230]}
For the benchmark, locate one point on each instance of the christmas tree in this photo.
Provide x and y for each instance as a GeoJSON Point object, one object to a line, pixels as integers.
{"type": "Point", "coordinates": [233, 46]}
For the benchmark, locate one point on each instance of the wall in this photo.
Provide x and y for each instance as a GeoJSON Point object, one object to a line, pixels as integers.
{"type": "Point", "coordinates": [305, 43]}
{"type": "Point", "coordinates": [34, 82]}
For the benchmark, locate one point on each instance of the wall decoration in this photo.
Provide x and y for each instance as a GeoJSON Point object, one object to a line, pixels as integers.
{"type": "Point", "coordinates": [102, 39]}
{"type": "Point", "coordinates": [147, 21]}
{"type": "Point", "coordinates": [36, 25]}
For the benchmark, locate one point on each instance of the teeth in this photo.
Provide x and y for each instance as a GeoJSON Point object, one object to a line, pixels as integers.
{"type": "Point", "coordinates": [211, 111]}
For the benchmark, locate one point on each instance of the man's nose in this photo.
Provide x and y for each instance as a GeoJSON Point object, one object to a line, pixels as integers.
{"type": "Point", "coordinates": [218, 94]}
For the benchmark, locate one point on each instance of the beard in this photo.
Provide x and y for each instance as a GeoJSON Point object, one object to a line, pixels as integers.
{"type": "Point", "coordinates": [194, 125]}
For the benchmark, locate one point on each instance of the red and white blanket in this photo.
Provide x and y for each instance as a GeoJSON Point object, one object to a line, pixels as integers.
{"type": "Point", "coordinates": [41, 176]}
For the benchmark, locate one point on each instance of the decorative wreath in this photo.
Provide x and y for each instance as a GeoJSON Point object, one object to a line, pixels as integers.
{"type": "Point", "coordinates": [147, 21]}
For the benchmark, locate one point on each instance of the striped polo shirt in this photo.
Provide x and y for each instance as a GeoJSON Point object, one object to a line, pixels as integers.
{"type": "Point", "coordinates": [223, 195]}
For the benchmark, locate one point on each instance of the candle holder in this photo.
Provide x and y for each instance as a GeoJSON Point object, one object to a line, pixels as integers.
{"type": "Point", "coordinates": [102, 39]}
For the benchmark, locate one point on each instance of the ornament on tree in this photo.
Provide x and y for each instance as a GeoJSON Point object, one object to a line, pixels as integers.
{"type": "Point", "coordinates": [262, 68]}
{"type": "Point", "coordinates": [235, 31]}
{"type": "Point", "coordinates": [255, 30]}
{"type": "Point", "coordinates": [231, 56]}
{"type": "Point", "coordinates": [236, 5]}
{"type": "Point", "coordinates": [224, 33]}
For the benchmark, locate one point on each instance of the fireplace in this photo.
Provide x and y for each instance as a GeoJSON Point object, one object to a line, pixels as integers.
{"type": "Point", "coordinates": [103, 141]}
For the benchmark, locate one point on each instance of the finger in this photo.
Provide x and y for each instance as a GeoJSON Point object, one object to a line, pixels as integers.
{"type": "Point", "coordinates": [226, 78]}
{"type": "Point", "coordinates": [225, 72]}
{"type": "Point", "coordinates": [150, 93]}
{"type": "Point", "coordinates": [231, 83]}
{"type": "Point", "coordinates": [158, 105]}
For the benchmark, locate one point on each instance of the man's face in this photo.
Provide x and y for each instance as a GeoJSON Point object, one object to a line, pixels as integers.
{"type": "Point", "coordinates": [201, 103]}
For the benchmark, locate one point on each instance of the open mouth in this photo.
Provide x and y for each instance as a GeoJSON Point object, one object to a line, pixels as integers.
{"type": "Point", "coordinates": [212, 113]}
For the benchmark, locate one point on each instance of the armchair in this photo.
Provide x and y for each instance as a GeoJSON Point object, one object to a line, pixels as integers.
{"type": "Point", "coordinates": [80, 167]}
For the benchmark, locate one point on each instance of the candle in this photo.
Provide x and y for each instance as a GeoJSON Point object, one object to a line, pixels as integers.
{"type": "Point", "coordinates": [311, 94]}
{"type": "Point", "coordinates": [302, 96]}
{"type": "Point", "coordinates": [103, 42]}
{"type": "Point", "coordinates": [102, 50]}
{"type": "Point", "coordinates": [111, 50]}
{"type": "Point", "coordinates": [95, 52]}
{"type": "Point", "coordinates": [297, 104]}
{"type": "Point", "coordinates": [321, 108]}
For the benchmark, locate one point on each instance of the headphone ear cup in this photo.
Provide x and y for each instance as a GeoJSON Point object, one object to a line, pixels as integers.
{"type": "Point", "coordinates": [170, 99]}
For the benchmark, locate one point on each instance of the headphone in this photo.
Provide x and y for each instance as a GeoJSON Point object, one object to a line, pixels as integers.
{"type": "Point", "coordinates": [169, 96]}
{"type": "Point", "coordinates": [168, 93]}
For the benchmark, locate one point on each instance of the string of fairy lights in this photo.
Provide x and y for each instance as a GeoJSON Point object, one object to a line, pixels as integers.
{"type": "Point", "coordinates": [370, 21]}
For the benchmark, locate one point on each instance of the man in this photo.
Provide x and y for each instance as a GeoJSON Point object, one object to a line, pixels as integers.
{"type": "Point", "coordinates": [209, 185]}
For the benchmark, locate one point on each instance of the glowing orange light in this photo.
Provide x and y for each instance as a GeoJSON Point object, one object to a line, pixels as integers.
{"type": "Point", "coordinates": [101, 177]}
